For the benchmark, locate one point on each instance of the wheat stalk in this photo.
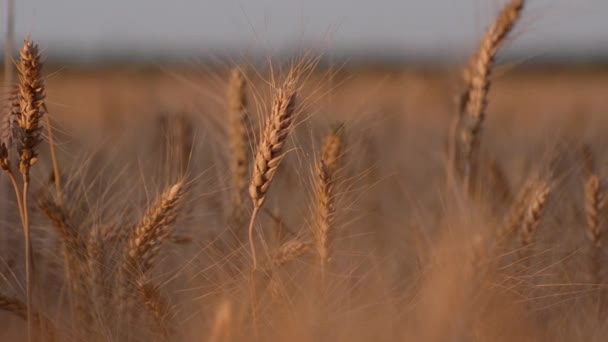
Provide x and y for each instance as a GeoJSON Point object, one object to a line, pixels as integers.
{"type": "Point", "coordinates": [477, 78]}
{"type": "Point", "coordinates": [54, 160]}
{"type": "Point", "coordinates": [269, 152]}
{"type": "Point", "coordinates": [31, 99]}
{"type": "Point", "coordinates": [147, 237]}
{"type": "Point", "coordinates": [239, 142]}
{"type": "Point", "coordinates": [324, 217]}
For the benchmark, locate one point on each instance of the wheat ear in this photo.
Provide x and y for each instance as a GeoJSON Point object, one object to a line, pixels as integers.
{"type": "Point", "coordinates": [269, 152]}
{"type": "Point", "coordinates": [153, 229]}
{"type": "Point", "coordinates": [143, 246]}
{"type": "Point", "coordinates": [477, 85]}
{"type": "Point", "coordinates": [517, 213]}
{"type": "Point", "coordinates": [593, 208]}
{"type": "Point", "coordinates": [534, 212]}
{"type": "Point", "coordinates": [290, 250]}
{"type": "Point", "coordinates": [31, 99]}
{"type": "Point", "coordinates": [324, 217]}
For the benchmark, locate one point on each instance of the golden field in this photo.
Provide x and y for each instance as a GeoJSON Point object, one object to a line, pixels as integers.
{"type": "Point", "coordinates": [299, 202]}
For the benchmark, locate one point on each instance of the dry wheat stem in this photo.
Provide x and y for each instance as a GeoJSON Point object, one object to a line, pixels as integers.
{"type": "Point", "coordinates": [477, 79]}
{"type": "Point", "coordinates": [6, 166]}
{"type": "Point", "coordinates": [237, 115]}
{"type": "Point", "coordinates": [54, 161]}
{"type": "Point", "coordinates": [269, 152]}
{"type": "Point", "coordinates": [31, 98]}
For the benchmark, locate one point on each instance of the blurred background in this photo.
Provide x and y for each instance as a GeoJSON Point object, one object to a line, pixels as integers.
{"type": "Point", "coordinates": [384, 30]}
{"type": "Point", "coordinates": [117, 60]}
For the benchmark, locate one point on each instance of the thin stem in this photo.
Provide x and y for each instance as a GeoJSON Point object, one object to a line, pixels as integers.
{"type": "Point", "coordinates": [56, 170]}
{"type": "Point", "coordinates": [254, 214]}
{"type": "Point", "coordinates": [22, 203]}
{"type": "Point", "coordinates": [254, 303]}
{"type": "Point", "coordinates": [28, 259]}
{"type": "Point", "coordinates": [11, 176]}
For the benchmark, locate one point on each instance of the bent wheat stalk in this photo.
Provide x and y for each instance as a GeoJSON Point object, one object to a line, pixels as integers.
{"type": "Point", "coordinates": [473, 101]}
{"type": "Point", "coordinates": [269, 153]}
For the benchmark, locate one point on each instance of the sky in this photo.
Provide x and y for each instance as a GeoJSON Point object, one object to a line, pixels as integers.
{"type": "Point", "coordinates": [366, 27]}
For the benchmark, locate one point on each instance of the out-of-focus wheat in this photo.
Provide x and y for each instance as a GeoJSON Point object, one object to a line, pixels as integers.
{"type": "Point", "coordinates": [477, 79]}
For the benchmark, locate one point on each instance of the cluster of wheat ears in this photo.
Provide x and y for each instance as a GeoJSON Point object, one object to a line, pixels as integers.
{"type": "Point", "coordinates": [110, 287]}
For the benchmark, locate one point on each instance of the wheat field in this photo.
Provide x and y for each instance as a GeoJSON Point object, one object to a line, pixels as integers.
{"type": "Point", "coordinates": [297, 201]}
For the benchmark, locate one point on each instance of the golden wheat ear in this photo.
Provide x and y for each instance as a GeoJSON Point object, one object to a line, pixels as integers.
{"type": "Point", "coordinates": [27, 138]}
{"type": "Point", "coordinates": [153, 229]}
{"type": "Point", "coordinates": [473, 101]}
{"type": "Point", "coordinates": [269, 151]}
{"type": "Point", "coordinates": [324, 216]}
{"type": "Point", "coordinates": [534, 212]}
{"type": "Point", "coordinates": [31, 99]}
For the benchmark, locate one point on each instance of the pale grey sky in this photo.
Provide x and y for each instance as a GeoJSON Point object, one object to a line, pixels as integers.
{"type": "Point", "coordinates": [416, 27]}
